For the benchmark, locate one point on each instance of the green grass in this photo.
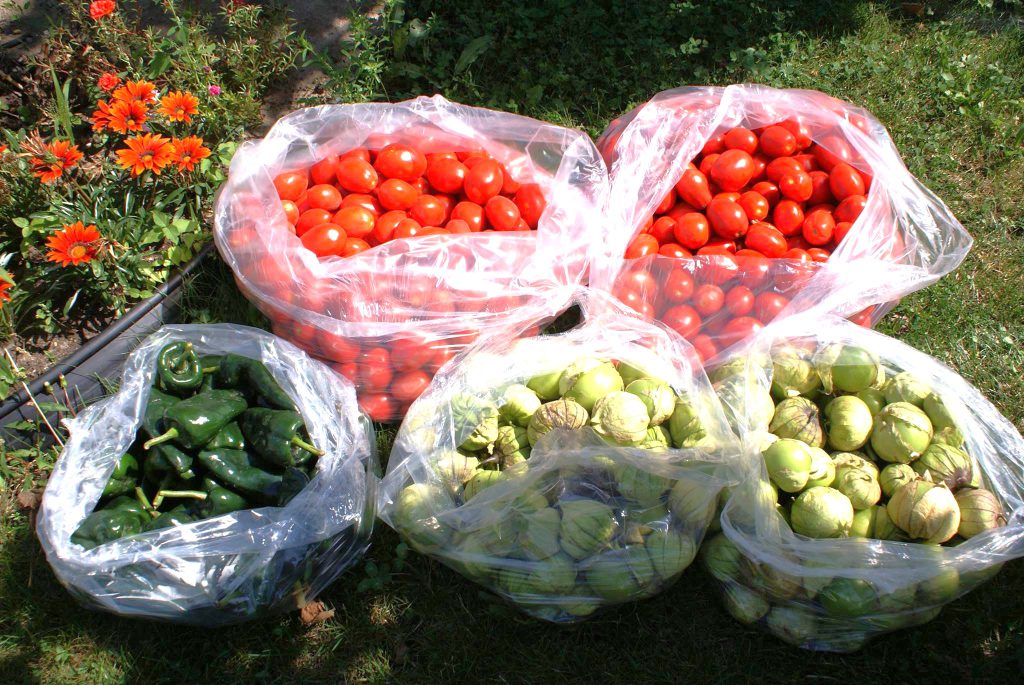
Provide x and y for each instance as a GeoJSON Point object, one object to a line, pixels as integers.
{"type": "Point", "coordinates": [949, 87]}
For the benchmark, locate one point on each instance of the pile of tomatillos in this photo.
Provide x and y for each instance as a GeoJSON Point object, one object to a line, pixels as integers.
{"type": "Point", "coordinates": [854, 450]}
{"type": "Point", "coordinates": [219, 434]}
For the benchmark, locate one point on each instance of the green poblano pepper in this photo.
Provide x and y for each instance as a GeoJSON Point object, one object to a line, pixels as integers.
{"type": "Point", "coordinates": [193, 422]}
{"type": "Point", "coordinates": [241, 471]}
{"type": "Point", "coordinates": [124, 477]}
{"type": "Point", "coordinates": [178, 368]}
{"type": "Point", "coordinates": [277, 436]}
{"type": "Point", "coordinates": [251, 378]}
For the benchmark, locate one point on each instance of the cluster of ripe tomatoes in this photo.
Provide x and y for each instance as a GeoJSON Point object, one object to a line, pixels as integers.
{"type": "Point", "coordinates": [348, 203]}
{"type": "Point", "coordinates": [746, 224]}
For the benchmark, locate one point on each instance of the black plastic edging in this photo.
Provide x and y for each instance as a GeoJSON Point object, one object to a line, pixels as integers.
{"type": "Point", "coordinates": [97, 343]}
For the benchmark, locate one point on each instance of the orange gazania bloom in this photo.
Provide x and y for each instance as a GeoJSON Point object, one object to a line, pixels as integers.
{"type": "Point", "coordinates": [57, 157]}
{"type": "Point", "coordinates": [108, 82]}
{"type": "Point", "coordinates": [4, 286]}
{"type": "Point", "coordinates": [74, 244]}
{"type": "Point", "coordinates": [146, 152]}
{"type": "Point", "coordinates": [178, 106]}
{"type": "Point", "coordinates": [140, 91]}
{"type": "Point", "coordinates": [188, 152]}
{"type": "Point", "coordinates": [101, 8]}
{"type": "Point", "coordinates": [120, 116]}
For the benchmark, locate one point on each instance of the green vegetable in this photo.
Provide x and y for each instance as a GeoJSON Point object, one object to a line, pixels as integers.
{"type": "Point", "coordinates": [276, 435]}
{"type": "Point", "coordinates": [178, 368]}
{"type": "Point", "coordinates": [152, 419]}
{"type": "Point", "coordinates": [230, 436]}
{"type": "Point", "coordinates": [292, 483]}
{"type": "Point", "coordinates": [220, 500]}
{"type": "Point", "coordinates": [251, 377]}
{"type": "Point", "coordinates": [194, 421]}
{"type": "Point", "coordinates": [165, 459]}
{"type": "Point", "coordinates": [122, 480]}
{"type": "Point", "coordinates": [241, 471]}
{"type": "Point", "coordinates": [122, 517]}
{"type": "Point", "coordinates": [178, 516]}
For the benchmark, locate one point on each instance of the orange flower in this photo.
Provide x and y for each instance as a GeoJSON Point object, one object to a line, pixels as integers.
{"type": "Point", "coordinates": [146, 152]}
{"type": "Point", "coordinates": [121, 116]}
{"type": "Point", "coordinates": [188, 152]}
{"type": "Point", "coordinates": [4, 285]}
{"type": "Point", "coordinates": [3, 149]}
{"type": "Point", "coordinates": [140, 91]}
{"type": "Point", "coordinates": [108, 82]}
{"type": "Point", "coordinates": [101, 8]}
{"type": "Point", "coordinates": [75, 244]}
{"type": "Point", "coordinates": [178, 106]}
{"type": "Point", "coordinates": [54, 160]}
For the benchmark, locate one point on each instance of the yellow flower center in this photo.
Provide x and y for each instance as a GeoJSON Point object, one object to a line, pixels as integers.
{"type": "Point", "coordinates": [77, 251]}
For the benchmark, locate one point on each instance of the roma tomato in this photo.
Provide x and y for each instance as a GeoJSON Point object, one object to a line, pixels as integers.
{"type": "Point", "coordinates": [818, 227]}
{"type": "Point", "coordinates": [324, 170]}
{"type": "Point", "coordinates": [291, 185]}
{"type": "Point", "coordinates": [666, 203]}
{"type": "Point", "coordinates": [714, 145]}
{"type": "Point", "coordinates": [402, 162]}
{"type": "Point", "coordinates": [780, 166]}
{"type": "Point", "coordinates": [354, 246]}
{"type": "Point", "coordinates": [769, 191]}
{"type": "Point", "coordinates": [642, 245]}
{"type": "Point", "coordinates": [325, 240]}
{"type": "Point", "coordinates": [821, 193]}
{"type": "Point", "coordinates": [663, 229]}
{"type": "Point", "coordinates": [375, 371]}
{"type": "Point", "coordinates": [788, 217]}
{"type": "Point", "coordinates": [708, 299]}
{"type": "Point", "coordinates": [739, 301]}
{"type": "Point", "coordinates": [845, 181]}
{"type": "Point", "coordinates": [766, 239]}
{"type": "Point", "coordinates": [291, 212]}
{"type": "Point", "coordinates": [358, 222]}
{"type": "Point", "coordinates": [502, 213]}
{"type": "Point", "coordinates": [310, 218]}
{"type": "Point", "coordinates": [705, 347]}
{"type": "Point", "coordinates": [397, 194]}
{"type": "Point", "coordinates": [796, 186]}
{"type": "Point", "coordinates": [683, 319]}
{"type": "Point", "coordinates": [674, 250]}
{"type": "Point", "coordinates": [768, 305]}
{"type": "Point", "coordinates": [407, 228]}
{"type": "Point", "coordinates": [777, 141]}
{"type": "Point", "coordinates": [483, 181]}
{"type": "Point", "coordinates": [678, 286]}
{"type": "Point", "coordinates": [408, 386]}
{"type": "Point", "coordinates": [471, 213]}
{"type": "Point", "coordinates": [356, 175]}
{"type": "Point", "coordinates": [323, 197]}
{"type": "Point", "coordinates": [842, 228]}
{"type": "Point", "coordinates": [446, 174]}
{"type": "Point", "coordinates": [692, 230]}
{"type": "Point", "coordinates": [384, 228]}
{"type": "Point", "coordinates": [727, 219]}
{"type": "Point", "coordinates": [754, 205]}
{"type": "Point", "coordinates": [380, 407]}
{"type": "Point", "coordinates": [831, 151]}
{"type": "Point", "coordinates": [366, 201]}
{"type": "Point", "coordinates": [411, 352]}
{"type": "Point", "coordinates": [732, 170]}
{"type": "Point", "coordinates": [693, 188]}
{"type": "Point", "coordinates": [458, 226]}
{"type": "Point", "coordinates": [740, 138]}
{"type": "Point", "coordinates": [803, 138]}
{"type": "Point", "coordinates": [818, 254]}
{"type": "Point", "coordinates": [740, 328]}
{"type": "Point", "coordinates": [531, 203]}
{"type": "Point", "coordinates": [428, 211]}
{"type": "Point", "coordinates": [337, 348]}
{"type": "Point", "coordinates": [850, 208]}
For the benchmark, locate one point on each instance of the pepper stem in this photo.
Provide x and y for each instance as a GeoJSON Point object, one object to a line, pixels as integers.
{"type": "Point", "coordinates": [211, 369]}
{"type": "Point", "coordinates": [162, 438]}
{"type": "Point", "coordinates": [144, 501]}
{"type": "Point", "coordinates": [299, 442]}
{"type": "Point", "coordinates": [180, 494]}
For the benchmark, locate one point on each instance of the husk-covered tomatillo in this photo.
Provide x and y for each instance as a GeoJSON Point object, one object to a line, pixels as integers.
{"type": "Point", "coordinates": [789, 464]}
{"type": "Point", "coordinates": [822, 513]}
{"type": "Point", "coordinates": [798, 418]}
{"type": "Point", "coordinates": [925, 511]}
{"type": "Point", "coordinates": [640, 486]}
{"type": "Point", "coordinates": [721, 558]}
{"type": "Point", "coordinates": [823, 469]}
{"type": "Point", "coordinates": [874, 398]}
{"type": "Point", "coordinates": [621, 574]}
{"type": "Point", "coordinates": [938, 412]}
{"type": "Point", "coordinates": [882, 526]}
{"type": "Point", "coordinates": [847, 368]}
{"type": "Point", "coordinates": [563, 413]}
{"type": "Point", "coordinates": [587, 526]}
{"type": "Point", "coordinates": [620, 418]}
{"type": "Point", "coordinates": [670, 552]}
{"type": "Point", "coordinates": [895, 475]}
{"type": "Point", "coordinates": [519, 404]}
{"type": "Point", "coordinates": [657, 396]}
{"type": "Point", "coordinates": [657, 439]}
{"type": "Point", "coordinates": [863, 520]}
{"type": "Point", "coordinates": [416, 512]}
{"type": "Point", "coordinates": [860, 486]}
{"type": "Point", "coordinates": [546, 385]}
{"type": "Point", "coordinates": [692, 503]}
{"type": "Point", "coordinates": [849, 422]}
{"type": "Point", "coordinates": [901, 433]}
{"type": "Point", "coordinates": [848, 597]}
{"type": "Point", "coordinates": [475, 421]}
{"type": "Point", "coordinates": [853, 461]}
{"type": "Point", "coordinates": [591, 384]}
{"type": "Point", "coordinates": [792, 625]}
{"type": "Point", "coordinates": [685, 426]}
{"type": "Point", "coordinates": [512, 446]}
{"type": "Point", "coordinates": [905, 387]}
{"type": "Point", "coordinates": [979, 511]}
{"type": "Point", "coordinates": [745, 606]}
{"type": "Point", "coordinates": [480, 481]}
{"type": "Point", "coordinates": [942, 463]}
{"type": "Point", "coordinates": [793, 373]}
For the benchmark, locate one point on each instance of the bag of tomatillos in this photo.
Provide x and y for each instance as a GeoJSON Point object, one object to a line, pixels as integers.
{"type": "Point", "coordinates": [282, 540]}
{"type": "Point", "coordinates": [881, 487]}
{"type": "Point", "coordinates": [566, 472]}
{"type": "Point", "coordinates": [732, 206]}
{"type": "Point", "coordinates": [384, 237]}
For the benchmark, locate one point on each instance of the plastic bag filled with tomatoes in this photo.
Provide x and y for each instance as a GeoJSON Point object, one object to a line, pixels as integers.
{"type": "Point", "coordinates": [882, 485]}
{"type": "Point", "coordinates": [384, 237]}
{"type": "Point", "coordinates": [237, 566]}
{"type": "Point", "coordinates": [788, 199]}
{"type": "Point", "coordinates": [568, 472]}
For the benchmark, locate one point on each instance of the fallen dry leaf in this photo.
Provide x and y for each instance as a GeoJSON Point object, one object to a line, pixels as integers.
{"type": "Point", "coordinates": [315, 612]}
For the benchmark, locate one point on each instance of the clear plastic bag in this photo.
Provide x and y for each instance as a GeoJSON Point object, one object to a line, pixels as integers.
{"type": "Point", "coordinates": [835, 593]}
{"type": "Point", "coordinates": [904, 239]}
{"type": "Point", "coordinates": [413, 301]}
{"type": "Point", "coordinates": [233, 567]}
{"type": "Point", "coordinates": [570, 523]}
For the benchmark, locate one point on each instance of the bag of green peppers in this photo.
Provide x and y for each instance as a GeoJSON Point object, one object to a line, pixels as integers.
{"type": "Point", "coordinates": [566, 473]}
{"type": "Point", "coordinates": [221, 569]}
{"type": "Point", "coordinates": [881, 485]}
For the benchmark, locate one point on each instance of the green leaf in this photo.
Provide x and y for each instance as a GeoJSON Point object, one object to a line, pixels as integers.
{"type": "Point", "coordinates": [477, 47]}
{"type": "Point", "coordinates": [160, 64]}
{"type": "Point", "coordinates": [71, 302]}
{"type": "Point", "coordinates": [21, 222]}
{"type": "Point", "coordinates": [160, 220]}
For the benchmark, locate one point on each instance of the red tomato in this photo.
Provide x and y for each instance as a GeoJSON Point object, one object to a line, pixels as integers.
{"type": "Point", "coordinates": [753, 267]}
{"type": "Point", "coordinates": [446, 174]}
{"type": "Point", "coordinates": [663, 229]}
{"type": "Point", "coordinates": [357, 152]}
{"type": "Point", "coordinates": [337, 348]}
{"type": "Point", "coordinates": [375, 369]}
{"type": "Point", "coordinates": [325, 240]}
{"type": "Point", "coordinates": [842, 228]}
{"type": "Point", "coordinates": [754, 205]}
{"type": "Point", "coordinates": [402, 162]}
{"type": "Point", "coordinates": [708, 299]}
{"type": "Point", "coordinates": [845, 181]}
{"type": "Point", "coordinates": [807, 162]}
{"type": "Point", "coordinates": [531, 203]}
{"type": "Point", "coordinates": [732, 170]}
{"type": "Point", "coordinates": [428, 211]}
{"type": "Point", "coordinates": [733, 196]}
{"type": "Point", "coordinates": [850, 208]}
{"type": "Point", "coordinates": [678, 286]}
{"type": "Point", "coordinates": [291, 185]}
{"type": "Point", "coordinates": [471, 213]}
{"type": "Point", "coordinates": [705, 347]}
{"type": "Point", "coordinates": [674, 250]}
{"type": "Point", "coordinates": [324, 197]}
{"type": "Point", "coordinates": [458, 226]}
{"type": "Point", "coordinates": [718, 266]}
{"type": "Point", "coordinates": [683, 319]}
{"type": "Point", "coordinates": [408, 386]}
{"type": "Point", "coordinates": [760, 164]}
{"type": "Point", "coordinates": [667, 202]}
{"type": "Point", "coordinates": [356, 175]}
{"type": "Point", "coordinates": [803, 139]}
{"type": "Point", "coordinates": [768, 305]}
{"type": "Point", "coordinates": [797, 254]}
{"type": "Point", "coordinates": [642, 245]}
{"type": "Point", "coordinates": [740, 138]}
{"type": "Point", "coordinates": [384, 228]}
{"type": "Point", "coordinates": [358, 222]}
{"type": "Point", "coordinates": [396, 194]}
{"type": "Point", "coordinates": [324, 170]}
{"type": "Point", "coordinates": [310, 218]}
{"type": "Point", "coordinates": [510, 185]}
{"type": "Point", "coordinates": [714, 144]}
{"type": "Point", "coordinates": [692, 230]}
{"type": "Point", "coordinates": [769, 191]}
{"type": "Point", "coordinates": [766, 239]}
{"type": "Point", "coordinates": [378, 406]}
{"type": "Point", "coordinates": [788, 217]}
{"type": "Point", "coordinates": [777, 141]}
{"type": "Point", "coordinates": [411, 352]}
{"type": "Point", "coordinates": [354, 246]}
{"type": "Point", "coordinates": [740, 328]}
{"type": "Point", "coordinates": [818, 227]}
{"type": "Point", "coordinates": [360, 200]}
{"type": "Point", "coordinates": [727, 218]}
{"type": "Point", "coordinates": [291, 212]}
{"type": "Point", "coordinates": [483, 181]}
{"type": "Point", "coordinates": [780, 166]}
{"type": "Point", "coordinates": [407, 228]}
{"type": "Point", "coordinates": [832, 150]}
{"type": "Point", "coordinates": [349, 370]}
{"type": "Point", "coordinates": [739, 301]}
{"type": "Point", "coordinates": [707, 163]}
{"type": "Point", "coordinates": [818, 254]}
{"type": "Point", "coordinates": [796, 186]}
{"type": "Point", "coordinates": [502, 213]}
{"type": "Point", "coordinates": [637, 301]}
{"type": "Point", "coordinates": [693, 188]}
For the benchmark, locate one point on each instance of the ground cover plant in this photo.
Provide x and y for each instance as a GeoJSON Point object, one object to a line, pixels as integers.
{"type": "Point", "coordinates": [948, 85]}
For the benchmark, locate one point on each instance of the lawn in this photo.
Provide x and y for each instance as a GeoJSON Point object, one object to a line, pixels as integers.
{"type": "Point", "coordinates": [948, 84]}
